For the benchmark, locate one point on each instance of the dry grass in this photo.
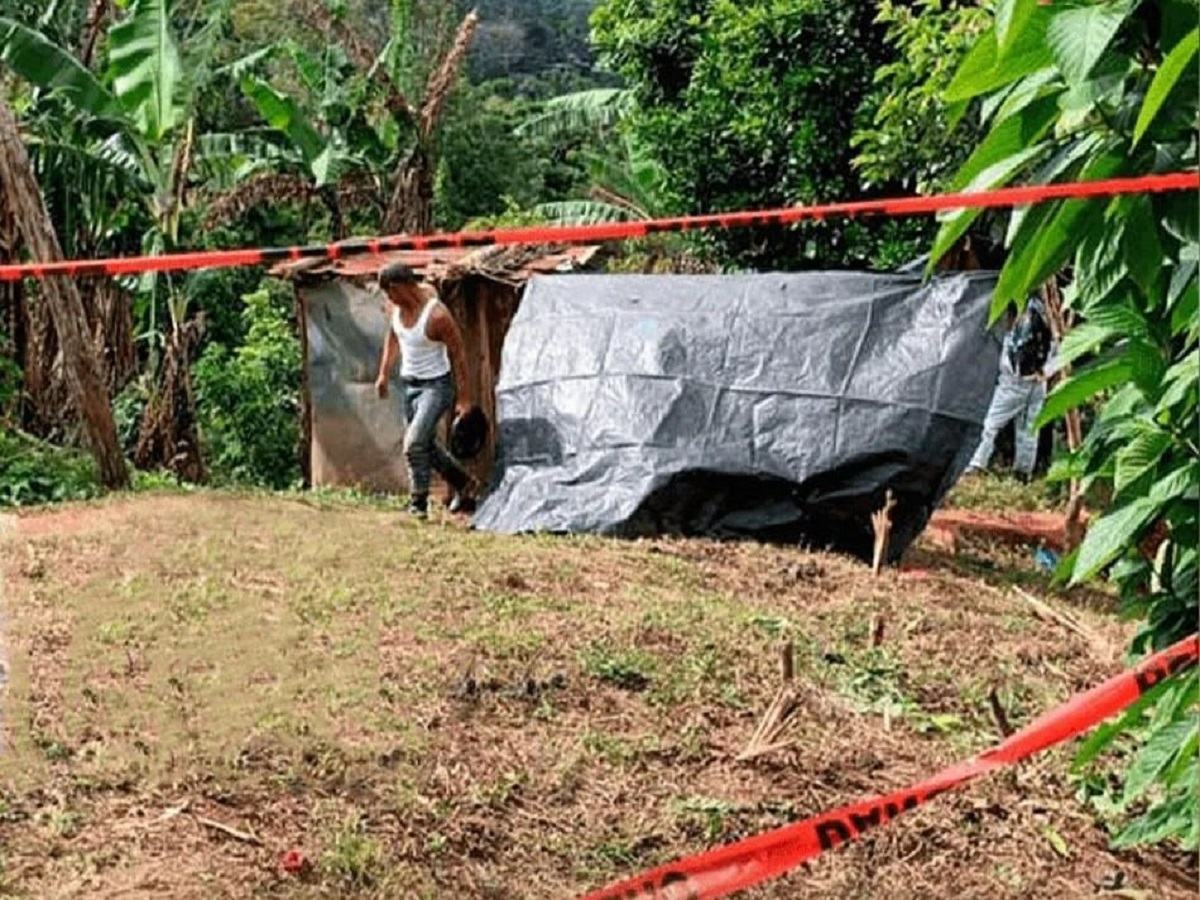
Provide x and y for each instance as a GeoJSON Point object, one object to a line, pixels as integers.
{"type": "Point", "coordinates": [202, 683]}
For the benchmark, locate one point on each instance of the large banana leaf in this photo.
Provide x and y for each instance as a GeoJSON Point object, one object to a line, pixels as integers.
{"type": "Point", "coordinates": [35, 59]}
{"type": "Point", "coordinates": [582, 212]}
{"type": "Point", "coordinates": [147, 73]}
{"type": "Point", "coordinates": [284, 114]}
{"type": "Point", "coordinates": [592, 109]}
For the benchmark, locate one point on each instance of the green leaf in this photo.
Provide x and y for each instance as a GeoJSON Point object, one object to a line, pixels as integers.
{"type": "Point", "coordinates": [1011, 18]}
{"type": "Point", "coordinates": [147, 75]}
{"type": "Point", "coordinates": [282, 113]}
{"type": "Point", "coordinates": [1177, 484]}
{"type": "Point", "coordinates": [1041, 249]}
{"type": "Point", "coordinates": [1180, 378]}
{"type": "Point", "coordinates": [1139, 456]}
{"type": "Point", "coordinates": [1181, 216]}
{"type": "Point", "coordinates": [1183, 298]}
{"type": "Point", "coordinates": [1143, 250]}
{"type": "Point", "coordinates": [1168, 75]}
{"type": "Point", "coordinates": [983, 70]}
{"type": "Point", "coordinates": [1158, 754]}
{"type": "Point", "coordinates": [1079, 36]}
{"type": "Point", "coordinates": [1084, 339]}
{"type": "Point", "coordinates": [49, 66]}
{"type": "Point", "coordinates": [1083, 385]}
{"type": "Point", "coordinates": [1147, 366]}
{"type": "Point", "coordinates": [1001, 155]}
{"type": "Point", "coordinates": [1110, 536]}
{"type": "Point", "coordinates": [583, 212]}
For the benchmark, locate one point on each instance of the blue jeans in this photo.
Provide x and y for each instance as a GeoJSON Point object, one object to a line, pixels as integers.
{"type": "Point", "coordinates": [426, 401]}
{"type": "Point", "coordinates": [1015, 398]}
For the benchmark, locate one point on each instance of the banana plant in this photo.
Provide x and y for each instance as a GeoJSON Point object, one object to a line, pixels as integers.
{"type": "Point", "coordinates": [135, 117]}
{"type": "Point", "coordinates": [321, 127]}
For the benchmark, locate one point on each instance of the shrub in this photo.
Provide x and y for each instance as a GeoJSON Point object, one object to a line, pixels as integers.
{"type": "Point", "coordinates": [248, 399]}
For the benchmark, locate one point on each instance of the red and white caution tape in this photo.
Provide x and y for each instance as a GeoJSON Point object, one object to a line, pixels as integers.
{"type": "Point", "coordinates": [746, 863]}
{"type": "Point", "coordinates": [588, 234]}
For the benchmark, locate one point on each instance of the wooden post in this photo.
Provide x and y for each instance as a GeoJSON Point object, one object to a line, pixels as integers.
{"type": "Point", "coordinates": [19, 192]}
{"type": "Point", "coordinates": [881, 521]}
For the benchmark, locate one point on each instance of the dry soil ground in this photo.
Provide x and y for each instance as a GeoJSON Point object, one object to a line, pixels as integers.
{"type": "Point", "coordinates": [201, 683]}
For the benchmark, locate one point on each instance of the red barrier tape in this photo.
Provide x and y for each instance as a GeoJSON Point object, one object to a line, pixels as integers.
{"type": "Point", "coordinates": [586, 234]}
{"type": "Point", "coordinates": [736, 867]}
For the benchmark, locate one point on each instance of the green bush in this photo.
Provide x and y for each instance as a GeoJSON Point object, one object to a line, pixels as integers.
{"type": "Point", "coordinates": [33, 472]}
{"type": "Point", "coordinates": [1084, 92]}
{"type": "Point", "coordinates": [248, 399]}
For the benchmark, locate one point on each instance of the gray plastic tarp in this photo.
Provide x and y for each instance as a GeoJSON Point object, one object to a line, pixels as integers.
{"type": "Point", "coordinates": [770, 406]}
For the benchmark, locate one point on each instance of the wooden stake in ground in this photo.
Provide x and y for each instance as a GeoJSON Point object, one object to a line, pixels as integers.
{"type": "Point", "coordinates": [768, 736]}
{"type": "Point", "coordinates": [881, 521]}
{"type": "Point", "coordinates": [19, 193]}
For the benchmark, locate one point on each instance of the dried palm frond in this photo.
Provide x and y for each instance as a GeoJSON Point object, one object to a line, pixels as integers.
{"type": "Point", "coordinates": [442, 80]}
{"type": "Point", "coordinates": [259, 189]}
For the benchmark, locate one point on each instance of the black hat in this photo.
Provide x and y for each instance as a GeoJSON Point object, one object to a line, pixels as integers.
{"type": "Point", "coordinates": [468, 433]}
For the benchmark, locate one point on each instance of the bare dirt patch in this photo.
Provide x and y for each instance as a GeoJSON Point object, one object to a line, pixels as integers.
{"type": "Point", "coordinates": [203, 683]}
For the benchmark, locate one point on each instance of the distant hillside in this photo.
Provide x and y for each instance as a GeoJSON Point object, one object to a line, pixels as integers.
{"type": "Point", "coordinates": [519, 38]}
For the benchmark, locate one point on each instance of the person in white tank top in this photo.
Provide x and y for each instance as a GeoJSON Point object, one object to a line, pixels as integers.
{"type": "Point", "coordinates": [433, 372]}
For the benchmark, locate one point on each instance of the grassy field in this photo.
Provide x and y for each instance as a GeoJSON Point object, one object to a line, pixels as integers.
{"type": "Point", "coordinates": [202, 683]}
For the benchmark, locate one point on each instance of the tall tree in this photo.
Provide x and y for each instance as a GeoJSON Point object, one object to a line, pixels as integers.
{"type": "Point", "coordinates": [750, 104]}
{"type": "Point", "coordinates": [24, 202]}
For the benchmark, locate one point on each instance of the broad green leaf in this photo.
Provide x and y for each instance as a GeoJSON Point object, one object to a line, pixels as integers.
{"type": "Point", "coordinates": [49, 66]}
{"type": "Point", "coordinates": [582, 212]}
{"type": "Point", "coordinates": [1157, 755]}
{"type": "Point", "coordinates": [282, 113]}
{"type": "Point", "coordinates": [983, 71]}
{"type": "Point", "coordinates": [1008, 147]}
{"type": "Point", "coordinates": [1043, 83]}
{"type": "Point", "coordinates": [1143, 250]}
{"type": "Point", "coordinates": [1011, 18]}
{"type": "Point", "coordinates": [1079, 36]}
{"type": "Point", "coordinates": [1016, 135]}
{"type": "Point", "coordinates": [1049, 246]}
{"type": "Point", "coordinates": [324, 167]}
{"type": "Point", "coordinates": [1138, 457]}
{"type": "Point", "coordinates": [997, 175]}
{"type": "Point", "coordinates": [1168, 75]}
{"type": "Point", "coordinates": [1177, 484]}
{"type": "Point", "coordinates": [1084, 339]}
{"type": "Point", "coordinates": [1159, 823]}
{"type": "Point", "coordinates": [1183, 297]}
{"type": "Point", "coordinates": [1181, 377]}
{"type": "Point", "coordinates": [1083, 385]}
{"type": "Point", "coordinates": [147, 74]}
{"type": "Point", "coordinates": [1181, 215]}
{"type": "Point", "coordinates": [1110, 536]}
{"type": "Point", "coordinates": [1147, 366]}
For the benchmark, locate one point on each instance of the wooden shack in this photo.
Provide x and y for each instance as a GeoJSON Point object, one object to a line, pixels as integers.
{"type": "Point", "coordinates": [352, 438]}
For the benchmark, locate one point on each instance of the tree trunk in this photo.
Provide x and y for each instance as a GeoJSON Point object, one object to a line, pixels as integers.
{"type": "Point", "coordinates": [411, 208]}
{"type": "Point", "coordinates": [169, 437]}
{"type": "Point", "coordinates": [66, 312]}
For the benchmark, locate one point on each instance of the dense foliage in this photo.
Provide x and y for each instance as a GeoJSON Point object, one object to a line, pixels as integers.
{"type": "Point", "coordinates": [249, 398]}
{"type": "Point", "coordinates": [1086, 91]}
{"type": "Point", "coordinates": [751, 105]}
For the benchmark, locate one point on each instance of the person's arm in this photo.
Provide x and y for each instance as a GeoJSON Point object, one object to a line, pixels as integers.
{"type": "Point", "coordinates": [442, 327]}
{"type": "Point", "coordinates": [391, 349]}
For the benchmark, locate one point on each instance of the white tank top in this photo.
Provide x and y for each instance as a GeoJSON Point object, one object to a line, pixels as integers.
{"type": "Point", "coordinates": [419, 356]}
